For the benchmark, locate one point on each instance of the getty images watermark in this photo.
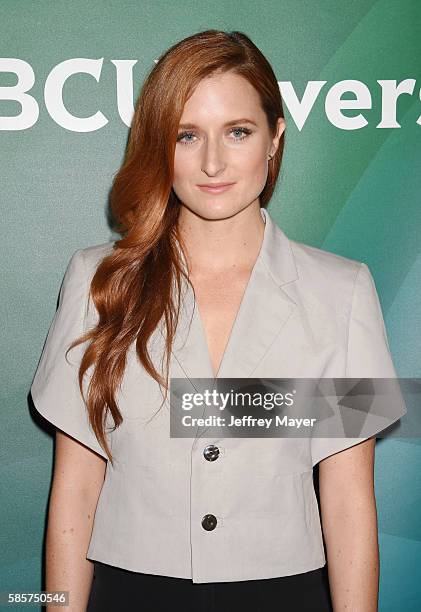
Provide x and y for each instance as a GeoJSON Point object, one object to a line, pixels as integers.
{"type": "Point", "coordinates": [295, 407]}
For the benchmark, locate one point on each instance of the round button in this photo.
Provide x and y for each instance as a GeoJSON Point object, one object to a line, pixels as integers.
{"type": "Point", "coordinates": [211, 452]}
{"type": "Point", "coordinates": [209, 522]}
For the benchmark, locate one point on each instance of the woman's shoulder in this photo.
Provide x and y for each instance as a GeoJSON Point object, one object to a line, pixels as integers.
{"type": "Point", "coordinates": [93, 255]}
{"type": "Point", "coordinates": [97, 252]}
{"type": "Point", "coordinates": [318, 265]}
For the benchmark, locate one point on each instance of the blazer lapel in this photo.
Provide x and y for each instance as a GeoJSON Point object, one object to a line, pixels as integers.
{"type": "Point", "coordinates": [264, 310]}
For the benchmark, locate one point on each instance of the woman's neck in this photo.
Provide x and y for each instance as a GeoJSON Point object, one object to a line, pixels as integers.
{"type": "Point", "coordinates": [219, 245]}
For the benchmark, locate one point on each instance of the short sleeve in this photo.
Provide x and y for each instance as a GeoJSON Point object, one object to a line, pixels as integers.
{"type": "Point", "coordinates": [55, 387]}
{"type": "Point", "coordinates": [368, 356]}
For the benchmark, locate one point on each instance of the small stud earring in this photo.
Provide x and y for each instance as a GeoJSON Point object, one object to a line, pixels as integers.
{"type": "Point", "coordinates": [270, 157]}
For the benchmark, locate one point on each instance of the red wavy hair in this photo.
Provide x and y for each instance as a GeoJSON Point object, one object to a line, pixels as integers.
{"type": "Point", "coordinates": [132, 287]}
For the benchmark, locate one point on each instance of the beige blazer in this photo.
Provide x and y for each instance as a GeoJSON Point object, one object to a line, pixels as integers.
{"type": "Point", "coordinates": [247, 509]}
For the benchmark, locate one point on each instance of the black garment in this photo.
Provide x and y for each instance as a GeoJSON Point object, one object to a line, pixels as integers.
{"type": "Point", "coordinates": [114, 589]}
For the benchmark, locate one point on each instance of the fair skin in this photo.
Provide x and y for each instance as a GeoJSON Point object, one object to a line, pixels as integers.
{"type": "Point", "coordinates": [349, 521]}
{"type": "Point", "coordinates": [77, 482]}
{"type": "Point", "coordinates": [223, 234]}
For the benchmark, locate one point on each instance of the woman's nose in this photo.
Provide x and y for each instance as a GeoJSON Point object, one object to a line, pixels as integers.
{"type": "Point", "coordinates": [213, 157]}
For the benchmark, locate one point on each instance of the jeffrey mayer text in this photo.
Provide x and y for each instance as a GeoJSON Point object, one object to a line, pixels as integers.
{"type": "Point", "coordinates": [246, 421]}
{"type": "Point", "coordinates": [284, 421]}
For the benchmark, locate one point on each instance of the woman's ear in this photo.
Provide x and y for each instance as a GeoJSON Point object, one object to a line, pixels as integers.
{"type": "Point", "coordinates": [279, 131]}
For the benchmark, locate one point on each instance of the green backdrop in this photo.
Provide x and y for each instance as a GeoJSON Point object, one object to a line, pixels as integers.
{"type": "Point", "coordinates": [350, 191]}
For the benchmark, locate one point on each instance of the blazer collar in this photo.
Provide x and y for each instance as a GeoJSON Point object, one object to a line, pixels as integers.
{"type": "Point", "coordinates": [264, 310]}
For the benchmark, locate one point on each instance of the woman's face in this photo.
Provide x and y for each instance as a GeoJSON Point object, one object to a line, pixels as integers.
{"type": "Point", "coordinates": [223, 137]}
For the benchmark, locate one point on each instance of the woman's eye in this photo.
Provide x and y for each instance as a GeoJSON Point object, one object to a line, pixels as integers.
{"type": "Point", "coordinates": [240, 133]}
{"type": "Point", "coordinates": [183, 135]}
{"type": "Point", "coordinates": [243, 131]}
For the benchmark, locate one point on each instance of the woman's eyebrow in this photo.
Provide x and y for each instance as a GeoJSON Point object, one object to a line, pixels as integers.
{"type": "Point", "coordinates": [191, 126]}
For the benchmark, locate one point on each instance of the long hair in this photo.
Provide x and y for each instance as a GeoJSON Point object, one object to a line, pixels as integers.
{"type": "Point", "coordinates": [132, 288]}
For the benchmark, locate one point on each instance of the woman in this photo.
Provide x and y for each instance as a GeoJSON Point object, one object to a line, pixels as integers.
{"type": "Point", "coordinates": [203, 284]}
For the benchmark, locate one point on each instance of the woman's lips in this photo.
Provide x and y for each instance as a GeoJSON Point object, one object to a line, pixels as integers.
{"type": "Point", "coordinates": [217, 188]}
